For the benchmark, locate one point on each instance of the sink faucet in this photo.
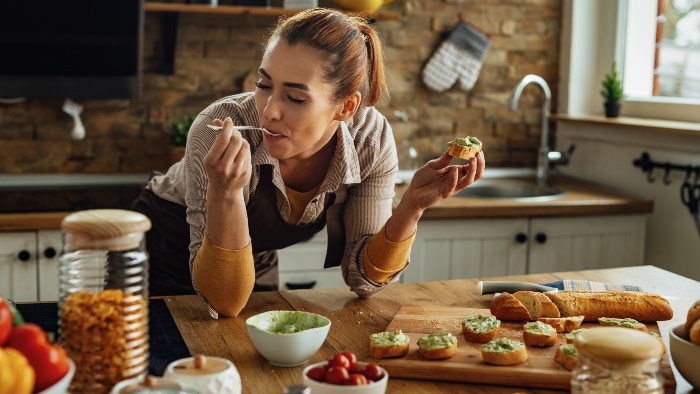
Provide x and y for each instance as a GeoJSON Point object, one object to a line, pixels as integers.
{"type": "Point", "coordinates": [544, 156]}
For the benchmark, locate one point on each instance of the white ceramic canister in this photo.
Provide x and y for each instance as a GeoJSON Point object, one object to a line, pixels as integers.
{"type": "Point", "coordinates": [206, 375]}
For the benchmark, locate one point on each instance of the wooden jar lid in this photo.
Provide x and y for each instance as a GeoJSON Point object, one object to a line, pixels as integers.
{"type": "Point", "coordinates": [113, 229]}
{"type": "Point", "coordinates": [618, 344]}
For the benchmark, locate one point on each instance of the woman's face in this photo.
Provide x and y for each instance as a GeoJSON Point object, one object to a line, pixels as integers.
{"type": "Point", "coordinates": [294, 102]}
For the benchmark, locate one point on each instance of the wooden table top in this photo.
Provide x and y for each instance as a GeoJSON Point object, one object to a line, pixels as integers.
{"type": "Point", "coordinates": [353, 319]}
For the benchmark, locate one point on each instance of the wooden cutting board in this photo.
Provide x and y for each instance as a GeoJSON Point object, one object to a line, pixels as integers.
{"type": "Point", "coordinates": [540, 371]}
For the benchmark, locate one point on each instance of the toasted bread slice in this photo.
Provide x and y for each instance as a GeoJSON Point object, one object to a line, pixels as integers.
{"type": "Point", "coordinates": [507, 307]}
{"type": "Point", "coordinates": [437, 346]}
{"type": "Point", "coordinates": [538, 304]}
{"type": "Point", "coordinates": [480, 328]}
{"type": "Point", "coordinates": [622, 322]}
{"type": "Point", "coordinates": [388, 344]}
{"type": "Point", "coordinates": [570, 336]}
{"type": "Point", "coordinates": [567, 355]}
{"type": "Point", "coordinates": [465, 148]}
{"type": "Point", "coordinates": [537, 333]}
{"type": "Point", "coordinates": [563, 324]}
{"type": "Point", "coordinates": [504, 351]}
{"type": "Point", "coordinates": [661, 340]}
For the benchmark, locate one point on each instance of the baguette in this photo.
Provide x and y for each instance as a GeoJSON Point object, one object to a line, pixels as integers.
{"type": "Point", "coordinates": [537, 333]}
{"type": "Point", "coordinates": [507, 307]}
{"type": "Point", "coordinates": [464, 148]}
{"type": "Point", "coordinates": [625, 322]}
{"type": "Point", "coordinates": [388, 344]}
{"type": "Point", "coordinates": [437, 346]}
{"type": "Point", "coordinates": [567, 355]}
{"type": "Point", "coordinates": [592, 305]}
{"type": "Point", "coordinates": [538, 304]}
{"type": "Point", "coordinates": [480, 328]}
{"type": "Point", "coordinates": [504, 351]}
{"type": "Point", "coordinates": [563, 324]}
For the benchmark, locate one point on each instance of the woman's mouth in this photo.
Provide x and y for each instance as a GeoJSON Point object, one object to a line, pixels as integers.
{"type": "Point", "coordinates": [270, 133]}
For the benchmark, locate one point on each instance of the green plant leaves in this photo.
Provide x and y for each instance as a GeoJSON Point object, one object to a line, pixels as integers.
{"type": "Point", "coordinates": [612, 85]}
{"type": "Point", "coordinates": [180, 128]}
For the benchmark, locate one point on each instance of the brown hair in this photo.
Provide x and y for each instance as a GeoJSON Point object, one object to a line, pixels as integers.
{"type": "Point", "coordinates": [351, 48]}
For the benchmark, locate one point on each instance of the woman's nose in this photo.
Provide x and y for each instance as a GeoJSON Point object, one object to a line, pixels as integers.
{"type": "Point", "coordinates": [271, 112]}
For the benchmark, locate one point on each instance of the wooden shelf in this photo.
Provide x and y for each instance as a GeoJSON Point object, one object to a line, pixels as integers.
{"type": "Point", "coordinates": [240, 10]}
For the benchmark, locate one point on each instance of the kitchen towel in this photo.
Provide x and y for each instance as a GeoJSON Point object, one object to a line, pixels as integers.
{"type": "Point", "coordinates": [460, 57]}
{"type": "Point", "coordinates": [587, 285]}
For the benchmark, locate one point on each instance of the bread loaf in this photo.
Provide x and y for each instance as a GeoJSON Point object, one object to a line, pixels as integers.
{"type": "Point", "coordinates": [507, 307]}
{"type": "Point", "coordinates": [593, 305]}
{"type": "Point", "coordinates": [693, 316]}
{"type": "Point", "coordinates": [538, 304]}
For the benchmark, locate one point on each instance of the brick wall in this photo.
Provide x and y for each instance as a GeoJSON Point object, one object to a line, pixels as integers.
{"type": "Point", "coordinates": [217, 55]}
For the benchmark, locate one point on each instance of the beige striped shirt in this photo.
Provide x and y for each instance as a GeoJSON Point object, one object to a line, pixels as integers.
{"type": "Point", "coordinates": [361, 174]}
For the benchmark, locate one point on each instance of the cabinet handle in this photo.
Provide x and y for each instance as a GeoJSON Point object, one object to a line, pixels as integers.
{"type": "Point", "coordinates": [24, 255]}
{"type": "Point", "coordinates": [521, 238]}
{"type": "Point", "coordinates": [303, 285]}
{"type": "Point", "coordinates": [49, 252]}
{"type": "Point", "coordinates": [541, 238]}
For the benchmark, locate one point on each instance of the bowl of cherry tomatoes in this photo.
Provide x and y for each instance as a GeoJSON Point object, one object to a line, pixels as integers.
{"type": "Point", "coordinates": [342, 373]}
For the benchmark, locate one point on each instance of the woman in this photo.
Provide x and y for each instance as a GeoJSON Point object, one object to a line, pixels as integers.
{"type": "Point", "coordinates": [327, 158]}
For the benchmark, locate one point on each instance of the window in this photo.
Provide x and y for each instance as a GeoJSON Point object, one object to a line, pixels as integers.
{"type": "Point", "coordinates": [597, 31]}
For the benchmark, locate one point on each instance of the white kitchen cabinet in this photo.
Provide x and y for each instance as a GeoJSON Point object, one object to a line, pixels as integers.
{"type": "Point", "coordinates": [301, 265]}
{"type": "Point", "coordinates": [28, 265]}
{"type": "Point", "coordinates": [455, 249]}
{"type": "Point", "coordinates": [467, 248]}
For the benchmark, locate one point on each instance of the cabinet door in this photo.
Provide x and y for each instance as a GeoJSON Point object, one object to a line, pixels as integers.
{"type": "Point", "coordinates": [301, 265]}
{"type": "Point", "coordinates": [18, 265]}
{"type": "Point", "coordinates": [455, 249]}
{"type": "Point", "coordinates": [48, 249]}
{"type": "Point", "coordinates": [567, 244]}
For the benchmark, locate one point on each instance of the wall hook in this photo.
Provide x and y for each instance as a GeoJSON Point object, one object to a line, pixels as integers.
{"type": "Point", "coordinates": [667, 174]}
{"type": "Point", "coordinates": [650, 176]}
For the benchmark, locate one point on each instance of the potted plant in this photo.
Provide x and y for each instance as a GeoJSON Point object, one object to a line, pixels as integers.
{"type": "Point", "coordinates": [612, 92]}
{"type": "Point", "coordinates": [179, 128]}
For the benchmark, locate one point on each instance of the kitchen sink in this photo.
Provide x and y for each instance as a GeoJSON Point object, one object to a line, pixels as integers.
{"type": "Point", "coordinates": [511, 189]}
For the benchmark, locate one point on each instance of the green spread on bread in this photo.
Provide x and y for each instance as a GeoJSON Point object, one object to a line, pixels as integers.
{"type": "Point", "coordinates": [572, 334]}
{"type": "Point", "coordinates": [501, 345]}
{"type": "Point", "coordinates": [481, 323]}
{"type": "Point", "coordinates": [626, 322]}
{"type": "Point", "coordinates": [537, 327]}
{"type": "Point", "coordinates": [388, 338]}
{"type": "Point", "coordinates": [437, 341]}
{"type": "Point", "coordinates": [465, 141]}
{"type": "Point", "coordinates": [569, 349]}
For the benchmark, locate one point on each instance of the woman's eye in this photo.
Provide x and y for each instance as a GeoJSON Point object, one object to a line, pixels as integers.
{"type": "Point", "coordinates": [295, 101]}
{"type": "Point", "coordinates": [259, 85]}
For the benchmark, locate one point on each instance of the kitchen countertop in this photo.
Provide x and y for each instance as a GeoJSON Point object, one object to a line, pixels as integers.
{"type": "Point", "coordinates": [580, 199]}
{"type": "Point", "coordinates": [353, 319]}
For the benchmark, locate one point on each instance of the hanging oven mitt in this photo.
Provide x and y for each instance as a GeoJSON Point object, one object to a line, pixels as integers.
{"type": "Point", "coordinates": [458, 57]}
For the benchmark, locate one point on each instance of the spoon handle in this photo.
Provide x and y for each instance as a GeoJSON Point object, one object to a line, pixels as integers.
{"type": "Point", "coordinates": [217, 128]}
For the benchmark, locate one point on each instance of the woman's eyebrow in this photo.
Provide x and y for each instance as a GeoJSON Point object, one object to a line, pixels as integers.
{"type": "Point", "coordinates": [294, 85]}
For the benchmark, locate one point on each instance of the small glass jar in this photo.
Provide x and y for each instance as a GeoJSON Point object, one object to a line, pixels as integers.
{"type": "Point", "coordinates": [103, 297]}
{"type": "Point", "coordinates": [617, 360]}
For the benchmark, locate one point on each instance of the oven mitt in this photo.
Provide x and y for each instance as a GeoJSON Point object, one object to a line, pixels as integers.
{"type": "Point", "coordinates": [458, 57]}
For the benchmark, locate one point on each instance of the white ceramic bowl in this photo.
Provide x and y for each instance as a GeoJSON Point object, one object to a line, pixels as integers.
{"type": "Point", "coordinates": [61, 387]}
{"type": "Point", "coordinates": [287, 338]}
{"type": "Point", "coordinates": [685, 355]}
{"type": "Point", "coordinates": [378, 387]}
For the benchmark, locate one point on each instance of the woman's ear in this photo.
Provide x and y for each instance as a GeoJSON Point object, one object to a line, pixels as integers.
{"type": "Point", "coordinates": [349, 106]}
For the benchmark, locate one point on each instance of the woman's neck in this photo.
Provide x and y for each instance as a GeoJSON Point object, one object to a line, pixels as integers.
{"type": "Point", "coordinates": [306, 174]}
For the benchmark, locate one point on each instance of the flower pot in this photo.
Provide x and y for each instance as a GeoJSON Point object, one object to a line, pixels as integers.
{"type": "Point", "coordinates": [612, 109]}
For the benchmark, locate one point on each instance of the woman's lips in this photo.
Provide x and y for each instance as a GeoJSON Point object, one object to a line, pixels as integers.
{"type": "Point", "coordinates": [271, 133]}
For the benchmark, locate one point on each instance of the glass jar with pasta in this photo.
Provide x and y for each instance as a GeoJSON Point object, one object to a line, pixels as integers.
{"type": "Point", "coordinates": [103, 297]}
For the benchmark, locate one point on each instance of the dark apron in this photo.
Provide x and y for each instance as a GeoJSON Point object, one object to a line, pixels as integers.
{"type": "Point", "coordinates": [168, 240]}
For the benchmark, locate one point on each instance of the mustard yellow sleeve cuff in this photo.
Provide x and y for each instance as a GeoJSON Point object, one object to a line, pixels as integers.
{"type": "Point", "coordinates": [384, 258]}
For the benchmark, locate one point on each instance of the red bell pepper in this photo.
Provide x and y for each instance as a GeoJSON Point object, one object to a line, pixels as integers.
{"type": "Point", "coordinates": [48, 359]}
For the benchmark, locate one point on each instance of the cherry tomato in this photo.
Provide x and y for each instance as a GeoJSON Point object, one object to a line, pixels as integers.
{"type": "Point", "coordinates": [5, 321]}
{"type": "Point", "coordinates": [338, 360]}
{"type": "Point", "coordinates": [372, 372]}
{"type": "Point", "coordinates": [318, 374]}
{"type": "Point", "coordinates": [357, 379]}
{"type": "Point", "coordinates": [353, 361]}
{"type": "Point", "coordinates": [337, 375]}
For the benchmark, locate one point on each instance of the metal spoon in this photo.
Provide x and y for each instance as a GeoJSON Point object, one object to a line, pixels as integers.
{"type": "Point", "coordinates": [264, 130]}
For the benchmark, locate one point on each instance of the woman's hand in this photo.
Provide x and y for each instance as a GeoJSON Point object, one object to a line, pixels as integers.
{"type": "Point", "coordinates": [227, 163]}
{"type": "Point", "coordinates": [438, 180]}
